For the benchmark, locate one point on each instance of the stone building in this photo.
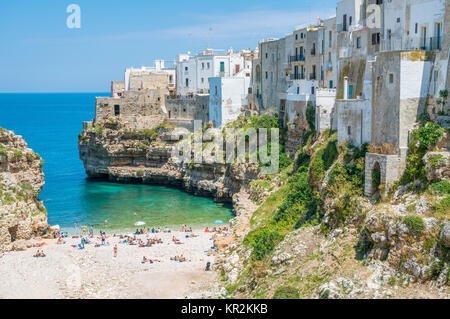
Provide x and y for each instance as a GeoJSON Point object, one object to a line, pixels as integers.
{"type": "Point", "coordinates": [139, 109]}
{"type": "Point", "coordinates": [150, 78]}
{"type": "Point", "coordinates": [272, 74]}
{"type": "Point", "coordinates": [182, 111]}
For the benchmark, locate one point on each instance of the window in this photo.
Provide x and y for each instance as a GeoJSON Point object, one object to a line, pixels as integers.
{"type": "Point", "coordinates": [267, 75]}
{"type": "Point", "coordinates": [330, 39]}
{"type": "Point", "coordinates": [312, 89]}
{"type": "Point", "coordinates": [375, 38]}
{"type": "Point", "coordinates": [398, 20]}
{"type": "Point", "coordinates": [349, 130]}
{"type": "Point", "coordinates": [416, 28]}
{"type": "Point", "coordinates": [215, 89]}
{"type": "Point", "coordinates": [116, 110]}
{"type": "Point", "coordinates": [203, 80]}
{"type": "Point", "coordinates": [391, 78]}
{"type": "Point", "coordinates": [207, 65]}
{"type": "Point", "coordinates": [187, 82]}
{"type": "Point", "coordinates": [358, 42]}
{"type": "Point", "coordinates": [350, 20]}
{"type": "Point", "coordinates": [331, 84]}
{"type": "Point", "coordinates": [222, 66]}
{"type": "Point", "coordinates": [203, 65]}
{"type": "Point", "coordinates": [298, 90]}
{"type": "Point", "coordinates": [296, 37]}
{"type": "Point", "coordinates": [301, 35]}
{"type": "Point", "coordinates": [267, 55]}
{"type": "Point", "coordinates": [185, 68]}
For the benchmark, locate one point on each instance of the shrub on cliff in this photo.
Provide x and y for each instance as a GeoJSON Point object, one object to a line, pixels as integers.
{"type": "Point", "coordinates": [286, 292]}
{"type": "Point", "coordinates": [322, 159]}
{"type": "Point", "coordinates": [415, 224]}
{"type": "Point", "coordinates": [263, 242]}
{"type": "Point", "coordinates": [424, 138]}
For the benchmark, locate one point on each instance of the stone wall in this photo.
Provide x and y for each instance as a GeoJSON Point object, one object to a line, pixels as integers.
{"type": "Point", "coordinates": [117, 88]}
{"type": "Point", "coordinates": [148, 81]}
{"type": "Point", "coordinates": [186, 109]}
{"type": "Point", "coordinates": [391, 169]}
{"type": "Point", "coordinates": [354, 121]}
{"type": "Point", "coordinates": [140, 109]}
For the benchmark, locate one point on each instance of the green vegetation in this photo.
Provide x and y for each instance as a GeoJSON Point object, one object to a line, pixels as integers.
{"type": "Point", "coordinates": [139, 173]}
{"type": "Point", "coordinates": [415, 224]}
{"type": "Point", "coordinates": [436, 160]}
{"type": "Point", "coordinates": [441, 187]}
{"type": "Point", "coordinates": [424, 138]}
{"type": "Point", "coordinates": [286, 292]}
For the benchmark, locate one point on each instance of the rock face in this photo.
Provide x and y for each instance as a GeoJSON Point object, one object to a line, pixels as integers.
{"type": "Point", "coordinates": [437, 165]}
{"type": "Point", "coordinates": [22, 215]}
{"type": "Point", "coordinates": [121, 155]}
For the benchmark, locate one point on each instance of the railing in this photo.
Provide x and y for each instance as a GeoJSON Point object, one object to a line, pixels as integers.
{"type": "Point", "coordinates": [341, 27]}
{"type": "Point", "coordinates": [297, 76]}
{"type": "Point", "coordinates": [412, 43]}
{"type": "Point", "coordinates": [296, 58]}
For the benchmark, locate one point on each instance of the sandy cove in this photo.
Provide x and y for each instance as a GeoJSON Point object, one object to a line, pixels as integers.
{"type": "Point", "coordinates": [94, 272]}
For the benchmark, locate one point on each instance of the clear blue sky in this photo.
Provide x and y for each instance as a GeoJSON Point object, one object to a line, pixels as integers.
{"type": "Point", "coordinates": [38, 53]}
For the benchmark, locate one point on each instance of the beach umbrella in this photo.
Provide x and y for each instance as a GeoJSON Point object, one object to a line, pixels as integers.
{"type": "Point", "coordinates": [139, 223]}
{"type": "Point", "coordinates": [218, 222]}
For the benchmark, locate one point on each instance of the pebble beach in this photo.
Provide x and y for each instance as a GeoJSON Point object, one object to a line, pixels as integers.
{"type": "Point", "coordinates": [94, 272]}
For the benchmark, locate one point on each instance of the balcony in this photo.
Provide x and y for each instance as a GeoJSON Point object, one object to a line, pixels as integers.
{"type": "Point", "coordinates": [296, 58]}
{"type": "Point", "coordinates": [297, 76]}
{"type": "Point", "coordinates": [412, 43]}
{"type": "Point", "coordinates": [341, 27]}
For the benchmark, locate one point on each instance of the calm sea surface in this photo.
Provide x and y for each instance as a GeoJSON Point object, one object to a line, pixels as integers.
{"type": "Point", "coordinates": [50, 124]}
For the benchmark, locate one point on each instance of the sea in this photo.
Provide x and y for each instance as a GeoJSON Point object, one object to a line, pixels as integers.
{"type": "Point", "coordinates": [50, 124]}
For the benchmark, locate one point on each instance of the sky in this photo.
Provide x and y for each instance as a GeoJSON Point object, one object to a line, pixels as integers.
{"type": "Point", "coordinates": [39, 53]}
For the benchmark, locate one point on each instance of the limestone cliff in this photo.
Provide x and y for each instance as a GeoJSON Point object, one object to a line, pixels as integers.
{"type": "Point", "coordinates": [22, 214]}
{"type": "Point", "coordinates": [123, 155]}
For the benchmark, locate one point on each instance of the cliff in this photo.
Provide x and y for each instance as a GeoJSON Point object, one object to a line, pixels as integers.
{"type": "Point", "coordinates": [307, 231]}
{"type": "Point", "coordinates": [22, 214]}
{"type": "Point", "coordinates": [122, 155]}
{"type": "Point", "coordinates": [314, 234]}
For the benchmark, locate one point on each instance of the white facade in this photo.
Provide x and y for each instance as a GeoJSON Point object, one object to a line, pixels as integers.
{"type": "Point", "coordinates": [193, 73]}
{"type": "Point", "coordinates": [227, 97]}
{"type": "Point", "coordinates": [325, 101]}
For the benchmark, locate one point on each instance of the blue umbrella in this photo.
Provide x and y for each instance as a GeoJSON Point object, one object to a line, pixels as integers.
{"type": "Point", "coordinates": [218, 222]}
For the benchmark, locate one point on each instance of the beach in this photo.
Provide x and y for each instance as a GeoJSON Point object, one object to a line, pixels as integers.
{"type": "Point", "coordinates": [94, 272]}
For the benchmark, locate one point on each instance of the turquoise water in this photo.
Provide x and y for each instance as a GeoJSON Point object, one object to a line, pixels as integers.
{"type": "Point", "coordinates": [50, 124]}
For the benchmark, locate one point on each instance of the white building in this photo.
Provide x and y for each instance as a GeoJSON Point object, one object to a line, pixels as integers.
{"type": "Point", "coordinates": [227, 97]}
{"type": "Point", "coordinates": [194, 72]}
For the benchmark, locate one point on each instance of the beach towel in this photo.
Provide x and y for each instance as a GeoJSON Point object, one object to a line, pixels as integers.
{"type": "Point", "coordinates": [81, 247]}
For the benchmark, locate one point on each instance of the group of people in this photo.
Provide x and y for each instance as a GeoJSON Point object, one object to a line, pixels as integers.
{"type": "Point", "coordinates": [39, 253]}
{"type": "Point", "coordinates": [180, 258]}
{"type": "Point", "coordinates": [219, 230]}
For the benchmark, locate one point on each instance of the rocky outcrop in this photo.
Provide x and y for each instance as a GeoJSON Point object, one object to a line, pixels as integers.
{"type": "Point", "coordinates": [22, 214]}
{"type": "Point", "coordinates": [121, 155]}
{"type": "Point", "coordinates": [437, 166]}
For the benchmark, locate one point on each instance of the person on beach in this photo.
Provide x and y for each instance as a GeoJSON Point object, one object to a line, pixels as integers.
{"type": "Point", "coordinates": [115, 251]}
{"type": "Point", "coordinates": [106, 222]}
